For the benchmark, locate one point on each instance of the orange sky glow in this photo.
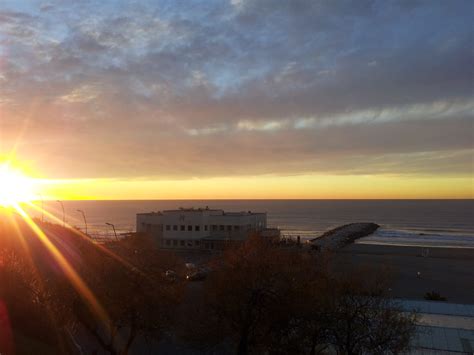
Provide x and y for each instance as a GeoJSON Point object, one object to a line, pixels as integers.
{"type": "Point", "coordinates": [111, 100]}
{"type": "Point", "coordinates": [25, 184]}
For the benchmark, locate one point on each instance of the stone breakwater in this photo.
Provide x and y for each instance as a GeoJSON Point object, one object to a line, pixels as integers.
{"type": "Point", "coordinates": [341, 236]}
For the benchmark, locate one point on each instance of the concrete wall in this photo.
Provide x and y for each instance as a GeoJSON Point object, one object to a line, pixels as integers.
{"type": "Point", "coordinates": [186, 228]}
{"type": "Point", "coordinates": [185, 224]}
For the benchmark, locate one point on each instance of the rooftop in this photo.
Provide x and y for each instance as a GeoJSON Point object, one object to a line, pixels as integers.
{"type": "Point", "coordinates": [442, 327]}
{"type": "Point", "coordinates": [200, 210]}
{"type": "Point", "coordinates": [193, 209]}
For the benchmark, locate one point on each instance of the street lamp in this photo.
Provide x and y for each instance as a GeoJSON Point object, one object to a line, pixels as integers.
{"type": "Point", "coordinates": [64, 213]}
{"type": "Point", "coordinates": [113, 227]}
{"type": "Point", "coordinates": [83, 216]}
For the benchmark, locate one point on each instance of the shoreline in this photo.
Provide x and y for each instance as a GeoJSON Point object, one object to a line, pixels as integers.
{"type": "Point", "coordinates": [427, 246]}
{"type": "Point", "coordinates": [374, 234]}
{"type": "Point", "coordinates": [411, 250]}
{"type": "Point", "coordinates": [419, 238]}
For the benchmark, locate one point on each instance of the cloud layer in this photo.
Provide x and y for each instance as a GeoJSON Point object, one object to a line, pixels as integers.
{"type": "Point", "coordinates": [222, 88]}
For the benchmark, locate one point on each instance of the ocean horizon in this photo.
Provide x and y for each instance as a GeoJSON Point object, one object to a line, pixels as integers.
{"type": "Point", "coordinates": [403, 222]}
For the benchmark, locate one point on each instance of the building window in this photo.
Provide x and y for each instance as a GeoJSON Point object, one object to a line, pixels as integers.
{"type": "Point", "coordinates": [221, 227]}
{"type": "Point", "coordinates": [196, 228]}
{"type": "Point", "coordinates": [197, 242]}
{"type": "Point", "coordinates": [214, 227]}
{"type": "Point", "coordinates": [206, 245]}
{"type": "Point", "coordinates": [175, 227]}
{"type": "Point", "coordinates": [229, 228]}
{"type": "Point", "coordinates": [167, 242]}
{"type": "Point", "coordinates": [236, 228]}
{"type": "Point", "coordinates": [181, 242]}
{"type": "Point", "coordinates": [183, 228]}
{"type": "Point", "coordinates": [168, 227]}
{"type": "Point", "coordinates": [205, 227]}
{"type": "Point", "coordinates": [190, 228]}
{"type": "Point", "coordinates": [175, 243]}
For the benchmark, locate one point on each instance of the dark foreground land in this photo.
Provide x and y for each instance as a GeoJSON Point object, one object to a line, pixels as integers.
{"type": "Point", "coordinates": [448, 271]}
{"type": "Point", "coordinates": [149, 311]}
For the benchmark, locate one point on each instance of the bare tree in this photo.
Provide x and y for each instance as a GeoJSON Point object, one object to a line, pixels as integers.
{"type": "Point", "coordinates": [125, 278]}
{"type": "Point", "coordinates": [29, 305]}
{"type": "Point", "coordinates": [250, 296]}
{"type": "Point", "coordinates": [364, 319]}
{"type": "Point", "coordinates": [262, 298]}
{"type": "Point", "coordinates": [129, 284]}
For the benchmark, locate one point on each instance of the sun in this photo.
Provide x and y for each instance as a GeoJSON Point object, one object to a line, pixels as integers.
{"type": "Point", "coordinates": [15, 187]}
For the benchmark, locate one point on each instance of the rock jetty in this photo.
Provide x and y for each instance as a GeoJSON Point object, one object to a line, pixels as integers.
{"type": "Point", "coordinates": [341, 236]}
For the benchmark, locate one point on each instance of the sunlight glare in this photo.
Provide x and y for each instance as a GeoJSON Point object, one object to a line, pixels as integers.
{"type": "Point", "coordinates": [15, 187]}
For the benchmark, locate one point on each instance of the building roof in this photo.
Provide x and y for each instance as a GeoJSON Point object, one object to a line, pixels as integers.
{"type": "Point", "coordinates": [436, 307]}
{"type": "Point", "coordinates": [158, 213]}
{"type": "Point", "coordinates": [442, 328]}
{"type": "Point", "coordinates": [242, 213]}
{"type": "Point", "coordinates": [200, 210]}
{"type": "Point", "coordinates": [193, 209]}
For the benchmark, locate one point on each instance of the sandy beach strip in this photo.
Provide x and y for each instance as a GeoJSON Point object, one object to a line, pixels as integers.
{"type": "Point", "coordinates": [448, 271]}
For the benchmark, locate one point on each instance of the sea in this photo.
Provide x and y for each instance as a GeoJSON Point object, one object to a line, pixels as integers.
{"type": "Point", "coordinates": [432, 223]}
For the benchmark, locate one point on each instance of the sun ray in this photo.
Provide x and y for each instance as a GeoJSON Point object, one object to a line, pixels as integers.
{"type": "Point", "coordinates": [24, 128]}
{"type": "Point", "coordinates": [13, 222]}
{"type": "Point", "coordinates": [81, 234]}
{"type": "Point", "coordinates": [15, 187]}
{"type": "Point", "coordinates": [69, 271]}
{"type": "Point", "coordinates": [29, 259]}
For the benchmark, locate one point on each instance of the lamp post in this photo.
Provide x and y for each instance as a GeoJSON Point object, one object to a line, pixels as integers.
{"type": "Point", "coordinates": [113, 227]}
{"type": "Point", "coordinates": [83, 216]}
{"type": "Point", "coordinates": [64, 213]}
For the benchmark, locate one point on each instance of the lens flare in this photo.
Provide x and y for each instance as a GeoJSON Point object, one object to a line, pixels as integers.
{"type": "Point", "coordinates": [15, 187]}
{"type": "Point", "coordinates": [18, 189]}
{"type": "Point", "coordinates": [69, 271]}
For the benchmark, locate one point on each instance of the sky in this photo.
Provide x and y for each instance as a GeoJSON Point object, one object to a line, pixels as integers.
{"type": "Point", "coordinates": [240, 98]}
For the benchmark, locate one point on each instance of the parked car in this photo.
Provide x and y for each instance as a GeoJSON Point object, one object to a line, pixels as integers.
{"type": "Point", "coordinates": [196, 276]}
{"type": "Point", "coordinates": [190, 266]}
{"type": "Point", "coordinates": [171, 275]}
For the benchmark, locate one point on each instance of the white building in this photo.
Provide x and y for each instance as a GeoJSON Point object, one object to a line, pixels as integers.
{"type": "Point", "coordinates": [200, 228]}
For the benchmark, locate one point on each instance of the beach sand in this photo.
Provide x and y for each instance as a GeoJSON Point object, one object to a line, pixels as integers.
{"type": "Point", "coordinates": [448, 271]}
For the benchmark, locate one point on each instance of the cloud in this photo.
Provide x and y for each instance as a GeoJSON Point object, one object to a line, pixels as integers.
{"type": "Point", "coordinates": [82, 94]}
{"type": "Point", "coordinates": [221, 88]}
